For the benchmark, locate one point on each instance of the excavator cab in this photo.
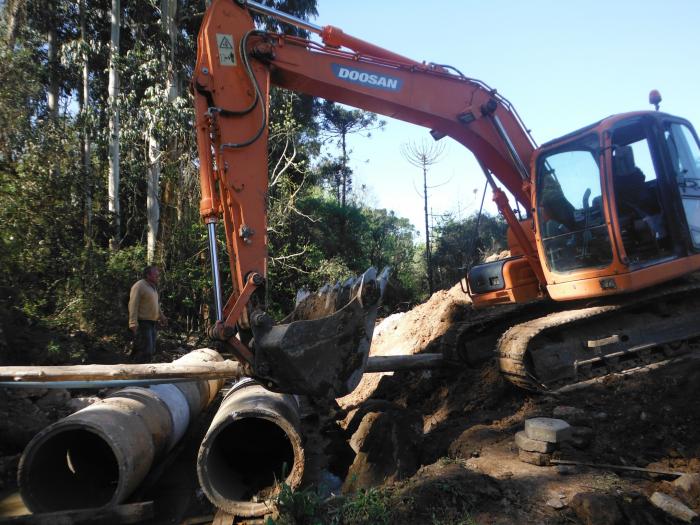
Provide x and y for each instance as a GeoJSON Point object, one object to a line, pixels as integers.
{"type": "Point", "coordinates": [615, 198]}
{"type": "Point", "coordinates": [616, 208]}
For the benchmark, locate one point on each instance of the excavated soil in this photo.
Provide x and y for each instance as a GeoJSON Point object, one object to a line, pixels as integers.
{"type": "Point", "coordinates": [442, 441]}
{"type": "Point", "coordinates": [439, 444]}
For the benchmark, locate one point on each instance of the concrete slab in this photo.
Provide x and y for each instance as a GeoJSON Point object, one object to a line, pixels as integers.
{"type": "Point", "coordinates": [548, 429]}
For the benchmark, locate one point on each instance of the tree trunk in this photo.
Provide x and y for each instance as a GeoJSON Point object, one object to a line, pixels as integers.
{"type": "Point", "coordinates": [52, 52]}
{"type": "Point", "coordinates": [85, 112]}
{"type": "Point", "coordinates": [344, 174]}
{"type": "Point", "coordinates": [13, 18]}
{"type": "Point", "coordinates": [153, 195]}
{"type": "Point", "coordinates": [113, 92]}
{"type": "Point", "coordinates": [428, 261]}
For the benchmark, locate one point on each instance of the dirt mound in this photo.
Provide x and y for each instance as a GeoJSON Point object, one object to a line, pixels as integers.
{"type": "Point", "coordinates": [469, 466]}
{"type": "Point", "coordinates": [410, 333]}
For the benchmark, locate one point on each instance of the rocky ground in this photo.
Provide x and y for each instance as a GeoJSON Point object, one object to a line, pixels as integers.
{"type": "Point", "coordinates": [437, 447]}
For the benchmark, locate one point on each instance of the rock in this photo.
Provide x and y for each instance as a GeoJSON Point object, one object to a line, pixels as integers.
{"type": "Point", "coordinates": [674, 507]}
{"type": "Point", "coordinates": [534, 458]}
{"type": "Point", "coordinates": [533, 445]}
{"type": "Point", "coordinates": [56, 398]}
{"type": "Point", "coordinates": [597, 509]}
{"type": "Point", "coordinates": [387, 446]}
{"type": "Point", "coordinates": [581, 437]}
{"type": "Point", "coordinates": [78, 403]}
{"type": "Point", "coordinates": [556, 503]}
{"type": "Point", "coordinates": [547, 429]}
{"type": "Point", "coordinates": [689, 483]}
{"type": "Point", "coordinates": [573, 415]}
{"type": "Point", "coordinates": [567, 470]}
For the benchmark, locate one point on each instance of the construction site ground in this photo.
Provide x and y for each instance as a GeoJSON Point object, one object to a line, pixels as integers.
{"type": "Point", "coordinates": [437, 447]}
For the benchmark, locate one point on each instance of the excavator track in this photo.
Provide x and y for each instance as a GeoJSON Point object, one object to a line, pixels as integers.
{"type": "Point", "coordinates": [625, 332]}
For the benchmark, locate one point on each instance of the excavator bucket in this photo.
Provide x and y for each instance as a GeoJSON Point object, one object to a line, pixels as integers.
{"type": "Point", "coordinates": [321, 348]}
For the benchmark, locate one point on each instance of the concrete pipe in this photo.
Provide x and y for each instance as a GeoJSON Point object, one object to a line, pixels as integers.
{"type": "Point", "coordinates": [100, 454]}
{"type": "Point", "coordinates": [253, 442]}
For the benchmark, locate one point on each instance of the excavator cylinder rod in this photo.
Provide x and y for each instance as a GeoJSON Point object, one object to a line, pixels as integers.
{"type": "Point", "coordinates": [216, 279]}
{"type": "Point", "coordinates": [284, 17]}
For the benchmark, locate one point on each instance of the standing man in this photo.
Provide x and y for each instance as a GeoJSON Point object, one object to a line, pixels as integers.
{"type": "Point", "coordinates": [144, 313]}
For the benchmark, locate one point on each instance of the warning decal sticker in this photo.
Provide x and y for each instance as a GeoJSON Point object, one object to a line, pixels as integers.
{"type": "Point", "coordinates": [227, 56]}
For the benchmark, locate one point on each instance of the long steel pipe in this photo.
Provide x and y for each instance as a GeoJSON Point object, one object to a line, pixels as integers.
{"type": "Point", "coordinates": [100, 454]}
{"type": "Point", "coordinates": [253, 442]}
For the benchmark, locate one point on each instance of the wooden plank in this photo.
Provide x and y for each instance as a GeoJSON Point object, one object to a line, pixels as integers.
{"type": "Point", "coordinates": [114, 515]}
{"type": "Point", "coordinates": [175, 371]}
{"type": "Point", "coordinates": [154, 371]}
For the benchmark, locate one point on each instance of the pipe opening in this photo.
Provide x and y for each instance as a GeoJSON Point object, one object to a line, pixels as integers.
{"type": "Point", "coordinates": [71, 469]}
{"type": "Point", "coordinates": [247, 458]}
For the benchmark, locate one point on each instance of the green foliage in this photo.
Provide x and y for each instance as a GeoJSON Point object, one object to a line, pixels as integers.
{"type": "Point", "coordinates": [456, 247]}
{"type": "Point", "coordinates": [367, 506]}
{"type": "Point", "coordinates": [54, 222]}
{"type": "Point", "coordinates": [297, 507]}
{"type": "Point", "coordinates": [307, 507]}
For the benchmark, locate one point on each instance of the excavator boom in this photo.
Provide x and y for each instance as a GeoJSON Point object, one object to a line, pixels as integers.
{"type": "Point", "coordinates": [236, 67]}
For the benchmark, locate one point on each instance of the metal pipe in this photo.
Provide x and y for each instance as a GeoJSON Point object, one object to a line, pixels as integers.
{"type": "Point", "coordinates": [100, 454]}
{"type": "Point", "coordinates": [253, 441]}
{"type": "Point", "coordinates": [284, 17]}
{"type": "Point", "coordinates": [214, 256]}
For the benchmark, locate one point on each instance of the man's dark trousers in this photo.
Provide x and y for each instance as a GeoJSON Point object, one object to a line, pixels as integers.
{"type": "Point", "coordinates": [145, 342]}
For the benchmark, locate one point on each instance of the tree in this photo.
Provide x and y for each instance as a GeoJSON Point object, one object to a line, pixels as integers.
{"type": "Point", "coordinates": [422, 155]}
{"type": "Point", "coordinates": [460, 244]}
{"type": "Point", "coordinates": [114, 175]}
{"type": "Point", "coordinates": [337, 123]}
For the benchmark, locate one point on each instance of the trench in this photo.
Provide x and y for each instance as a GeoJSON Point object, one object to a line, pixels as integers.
{"type": "Point", "coordinates": [247, 458]}
{"type": "Point", "coordinates": [70, 469]}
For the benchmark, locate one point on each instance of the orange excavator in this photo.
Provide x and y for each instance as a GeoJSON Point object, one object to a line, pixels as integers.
{"type": "Point", "coordinates": [611, 225]}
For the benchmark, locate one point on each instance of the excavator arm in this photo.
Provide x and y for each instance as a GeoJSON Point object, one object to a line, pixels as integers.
{"type": "Point", "coordinates": [236, 65]}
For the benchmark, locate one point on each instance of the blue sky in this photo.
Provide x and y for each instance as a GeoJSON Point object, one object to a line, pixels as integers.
{"type": "Point", "coordinates": [562, 64]}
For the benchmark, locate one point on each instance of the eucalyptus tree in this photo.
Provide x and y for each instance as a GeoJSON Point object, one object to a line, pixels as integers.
{"type": "Point", "coordinates": [113, 101]}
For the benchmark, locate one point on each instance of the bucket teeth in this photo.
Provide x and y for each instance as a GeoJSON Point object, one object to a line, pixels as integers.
{"type": "Point", "coordinates": [332, 297]}
{"type": "Point", "coordinates": [322, 346]}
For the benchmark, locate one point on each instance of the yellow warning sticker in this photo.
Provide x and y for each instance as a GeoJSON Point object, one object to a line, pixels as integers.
{"type": "Point", "coordinates": [227, 57]}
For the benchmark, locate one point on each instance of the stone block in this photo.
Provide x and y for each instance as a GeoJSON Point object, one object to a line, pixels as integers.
{"type": "Point", "coordinates": [674, 507]}
{"type": "Point", "coordinates": [548, 429]}
{"type": "Point", "coordinates": [533, 445]}
{"type": "Point", "coordinates": [534, 458]}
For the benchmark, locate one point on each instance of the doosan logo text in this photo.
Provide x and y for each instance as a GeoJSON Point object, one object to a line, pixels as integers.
{"type": "Point", "coordinates": [366, 78]}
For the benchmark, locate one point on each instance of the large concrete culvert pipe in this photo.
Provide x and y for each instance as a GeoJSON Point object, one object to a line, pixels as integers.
{"type": "Point", "coordinates": [253, 442]}
{"type": "Point", "coordinates": [100, 454]}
